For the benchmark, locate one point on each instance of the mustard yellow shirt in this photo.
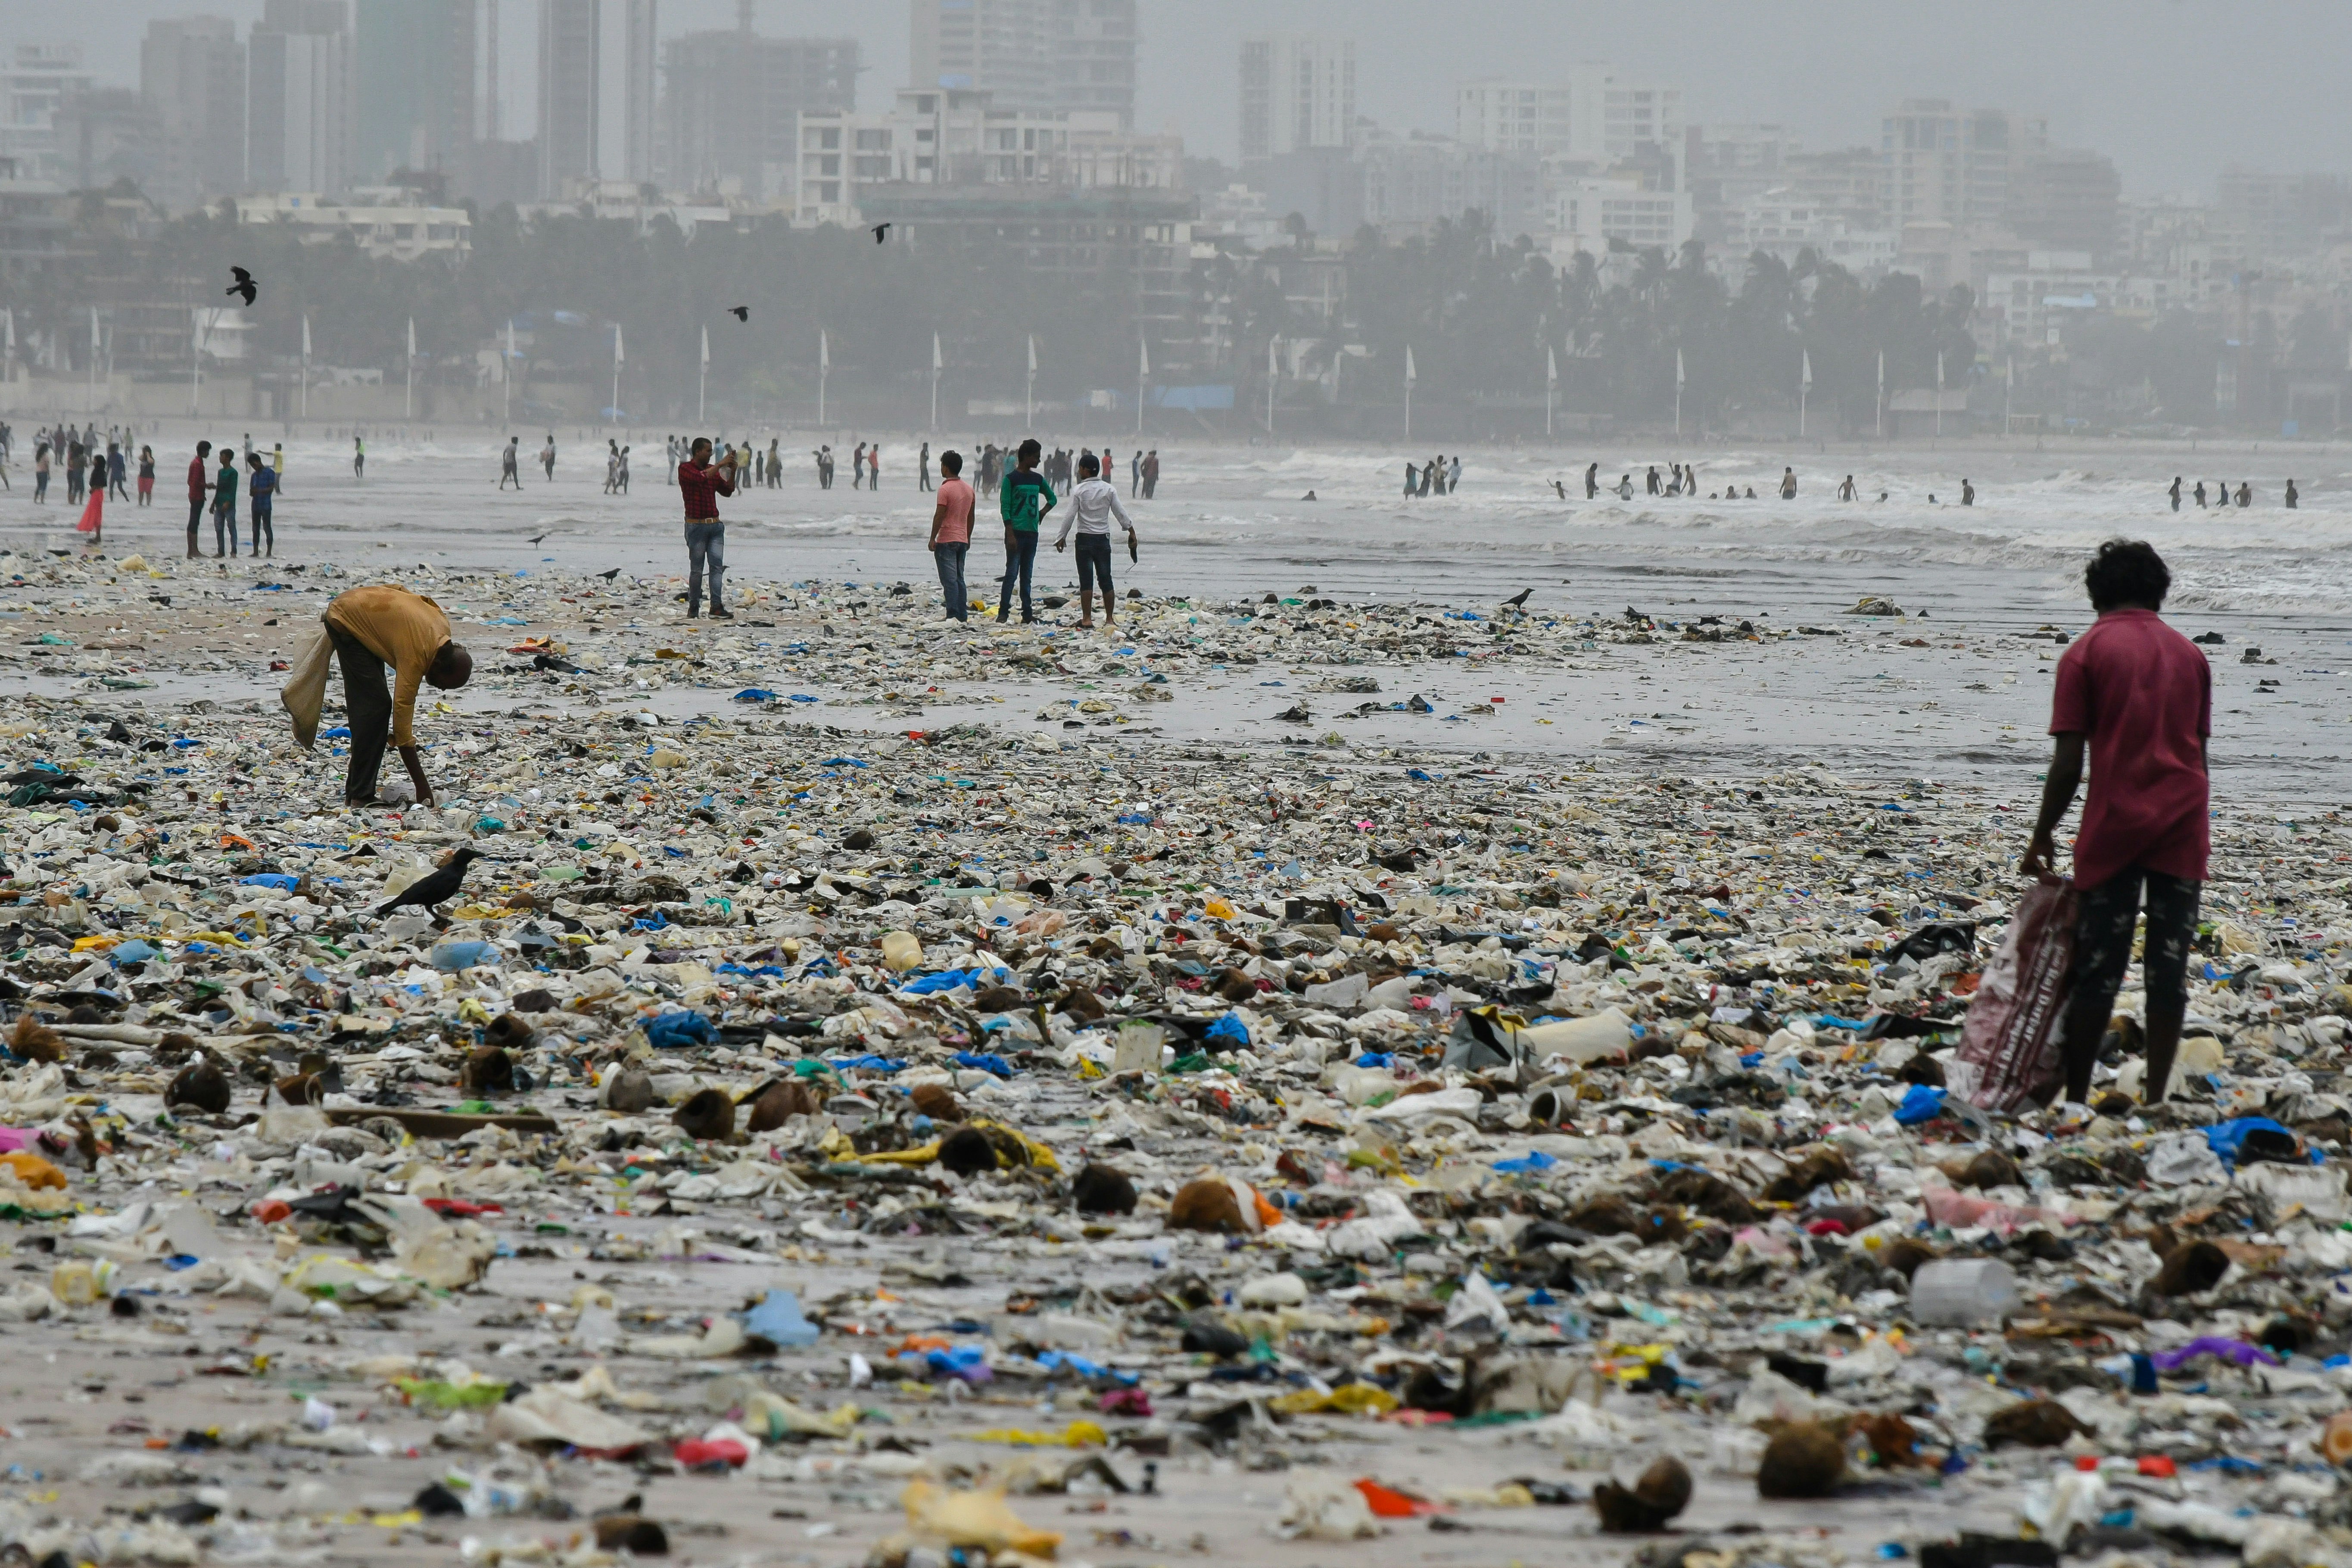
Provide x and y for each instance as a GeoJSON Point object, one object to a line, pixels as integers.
{"type": "Point", "coordinates": [405, 630]}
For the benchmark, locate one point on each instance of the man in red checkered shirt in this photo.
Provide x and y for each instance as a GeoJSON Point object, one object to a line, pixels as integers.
{"type": "Point", "coordinates": [701, 482]}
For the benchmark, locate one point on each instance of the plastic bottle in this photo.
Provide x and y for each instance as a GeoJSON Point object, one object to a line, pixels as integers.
{"type": "Point", "coordinates": [74, 1282]}
{"type": "Point", "coordinates": [1963, 1292]}
{"type": "Point", "coordinates": [901, 950]}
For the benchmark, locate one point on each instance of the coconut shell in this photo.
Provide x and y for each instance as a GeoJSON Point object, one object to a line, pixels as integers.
{"type": "Point", "coordinates": [1893, 1442]}
{"type": "Point", "coordinates": [1663, 1491]}
{"type": "Point", "coordinates": [781, 1100]}
{"type": "Point", "coordinates": [511, 1032]}
{"type": "Point", "coordinates": [1080, 1003]}
{"type": "Point", "coordinates": [200, 1085]}
{"type": "Point", "coordinates": [1904, 1256]}
{"type": "Point", "coordinates": [630, 1091]}
{"type": "Point", "coordinates": [301, 1089]}
{"type": "Point", "coordinates": [35, 1041]}
{"type": "Point", "coordinates": [706, 1115]}
{"type": "Point", "coordinates": [1100, 1189]}
{"type": "Point", "coordinates": [2190, 1269]}
{"type": "Point", "coordinates": [1803, 1460]}
{"type": "Point", "coordinates": [2032, 1424]}
{"type": "Point", "coordinates": [488, 1071]}
{"type": "Point", "coordinates": [967, 1151]}
{"type": "Point", "coordinates": [632, 1533]}
{"type": "Point", "coordinates": [937, 1101]}
{"type": "Point", "coordinates": [1209, 1205]}
{"type": "Point", "coordinates": [1990, 1169]}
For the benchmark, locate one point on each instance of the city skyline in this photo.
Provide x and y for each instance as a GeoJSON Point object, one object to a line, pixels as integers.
{"type": "Point", "coordinates": [2132, 81]}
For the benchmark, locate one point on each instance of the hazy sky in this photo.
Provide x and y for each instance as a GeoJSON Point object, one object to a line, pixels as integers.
{"type": "Point", "coordinates": [2171, 89]}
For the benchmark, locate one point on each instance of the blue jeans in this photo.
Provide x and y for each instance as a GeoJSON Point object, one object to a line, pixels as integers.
{"type": "Point", "coordinates": [225, 529]}
{"type": "Point", "coordinates": [706, 543]}
{"type": "Point", "coordinates": [950, 559]}
{"type": "Point", "coordinates": [1020, 558]}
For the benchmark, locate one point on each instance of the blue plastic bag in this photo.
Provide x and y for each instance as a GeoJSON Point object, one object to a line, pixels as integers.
{"type": "Point", "coordinates": [1230, 1028]}
{"type": "Point", "coordinates": [277, 880]}
{"type": "Point", "coordinates": [1534, 1160]}
{"type": "Point", "coordinates": [778, 1320]}
{"type": "Point", "coordinates": [451, 956]}
{"type": "Point", "coordinates": [669, 1031]}
{"type": "Point", "coordinates": [2228, 1139]}
{"type": "Point", "coordinates": [985, 1062]}
{"type": "Point", "coordinates": [1923, 1102]}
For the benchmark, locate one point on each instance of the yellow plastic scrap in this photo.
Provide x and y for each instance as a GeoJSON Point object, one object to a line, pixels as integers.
{"type": "Point", "coordinates": [1348, 1399]}
{"type": "Point", "coordinates": [1632, 1364]}
{"type": "Point", "coordinates": [980, 1519]}
{"type": "Point", "coordinates": [1076, 1434]}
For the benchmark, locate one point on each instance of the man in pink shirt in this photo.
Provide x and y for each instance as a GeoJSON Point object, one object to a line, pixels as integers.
{"type": "Point", "coordinates": [952, 534]}
{"type": "Point", "coordinates": [2141, 696]}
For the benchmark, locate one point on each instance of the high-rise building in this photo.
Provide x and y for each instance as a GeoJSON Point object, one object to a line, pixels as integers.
{"type": "Point", "coordinates": [105, 134]}
{"type": "Point", "coordinates": [38, 79]}
{"type": "Point", "coordinates": [571, 62]}
{"type": "Point", "coordinates": [415, 87]}
{"type": "Point", "coordinates": [2068, 198]}
{"type": "Point", "coordinates": [300, 97]}
{"type": "Point", "coordinates": [1942, 164]}
{"type": "Point", "coordinates": [1617, 120]}
{"type": "Point", "coordinates": [1034, 55]}
{"type": "Point", "coordinates": [192, 74]}
{"type": "Point", "coordinates": [638, 54]}
{"type": "Point", "coordinates": [2270, 216]}
{"type": "Point", "coordinates": [1297, 92]}
{"type": "Point", "coordinates": [731, 103]}
{"type": "Point", "coordinates": [1512, 117]}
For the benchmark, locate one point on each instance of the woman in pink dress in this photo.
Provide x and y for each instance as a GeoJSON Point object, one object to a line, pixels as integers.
{"type": "Point", "coordinates": [93, 512]}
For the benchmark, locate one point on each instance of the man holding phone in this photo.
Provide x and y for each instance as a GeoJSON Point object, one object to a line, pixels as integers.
{"type": "Point", "coordinates": [701, 482]}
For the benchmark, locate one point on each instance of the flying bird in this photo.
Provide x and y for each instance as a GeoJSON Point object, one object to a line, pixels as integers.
{"type": "Point", "coordinates": [442, 885]}
{"type": "Point", "coordinates": [1521, 597]}
{"type": "Point", "coordinates": [244, 287]}
{"type": "Point", "coordinates": [740, 312]}
{"type": "Point", "coordinates": [881, 230]}
{"type": "Point", "coordinates": [608, 576]}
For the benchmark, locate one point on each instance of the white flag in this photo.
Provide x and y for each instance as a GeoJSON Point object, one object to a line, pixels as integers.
{"type": "Point", "coordinates": [10, 316]}
{"type": "Point", "coordinates": [412, 337]}
{"type": "Point", "coordinates": [1882, 373]}
{"type": "Point", "coordinates": [1033, 354]}
{"type": "Point", "coordinates": [1807, 374]}
{"type": "Point", "coordinates": [2008, 376]}
{"type": "Point", "coordinates": [1143, 360]}
{"type": "Point", "coordinates": [1551, 367]}
{"type": "Point", "coordinates": [705, 346]}
{"type": "Point", "coordinates": [620, 354]}
{"type": "Point", "coordinates": [510, 347]}
{"type": "Point", "coordinates": [938, 363]}
{"type": "Point", "coordinates": [306, 334]}
{"type": "Point", "coordinates": [1939, 370]}
{"type": "Point", "coordinates": [1679, 367]}
{"type": "Point", "coordinates": [93, 328]}
{"type": "Point", "coordinates": [1408, 364]}
{"type": "Point", "coordinates": [1272, 366]}
{"type": "Point", "coordinates": [824, 351]}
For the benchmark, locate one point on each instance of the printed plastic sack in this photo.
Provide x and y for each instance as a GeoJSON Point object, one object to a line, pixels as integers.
{"type": "Point", "coordinates": [305, 692]}
{"type": "Point", "coordinates": [2009, 1046]}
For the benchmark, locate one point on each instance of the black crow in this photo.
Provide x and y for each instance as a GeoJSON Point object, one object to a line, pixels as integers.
{"type": "Point", "coordinates": [740, 312]}
{"type": "Point", "coordinates": [1521, 597]}
{"type": "Point", "coordinates": [243, 288]}
{"type": "Point", "coordinates": [426, 891]}
{"type": "Point", "coordinates": [881, 230]}
{"type": "Point", "coordinates": [608, 576]}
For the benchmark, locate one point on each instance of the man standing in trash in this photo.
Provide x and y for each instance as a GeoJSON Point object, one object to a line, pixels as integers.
{"type": "Point", "coordinates": [372, 628]}
{"type": "Point", "coordinates": [2140, 696]}
{"type": "Point", "coordinates": [1023, 499]}
{"type": "Point", "coordinates": [701, 482]}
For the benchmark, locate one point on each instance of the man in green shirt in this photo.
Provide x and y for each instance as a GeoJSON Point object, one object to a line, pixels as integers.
{"type": "Point", "coordinates": [1022, 499]}
{"type": "Point", "coordinates": [225, 504]}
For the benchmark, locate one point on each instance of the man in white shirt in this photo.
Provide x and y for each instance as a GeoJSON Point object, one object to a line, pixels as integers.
{"type": "Point", "coordinates": [1092, 506]}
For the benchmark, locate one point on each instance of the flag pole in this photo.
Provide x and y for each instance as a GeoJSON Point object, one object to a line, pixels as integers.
{"type": "Point", "coordinates": [1551, 385]}
{"type": "Point", "coordinates": [702, 379]}
{"type": "Point", "coordinates": [935, 384]}
{"type": "Point", "coordinates": [1143, 375]}
{"type": "Point", "coordinates": [1272, 371]}
{"type": "Point", "coordinates": [1408, 392]}
{"type": "Point", "coordinates": [408, 403]}
{"type": "Point", "coordinates": [1029, 416]}
{"type": "Point", "coordinates": [823, 363]}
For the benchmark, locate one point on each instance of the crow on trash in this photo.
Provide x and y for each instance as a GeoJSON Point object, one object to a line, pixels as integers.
{"type": "Point", "coordinates": [1521, 597]}
{"type": "Point", "coordinates": [442, 885]}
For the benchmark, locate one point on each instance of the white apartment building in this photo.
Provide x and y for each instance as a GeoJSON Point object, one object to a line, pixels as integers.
{"type": "Point", "coordinates": [1297, 92]}
{"type": "Point", "coordinates": [381, 222]}
{"type": "Point", "coordinates": [1585, 213]}
{"type": "Point", "coordinates": [938, 137]}
{"type": "Point", "coordinates": [1512, 117]}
